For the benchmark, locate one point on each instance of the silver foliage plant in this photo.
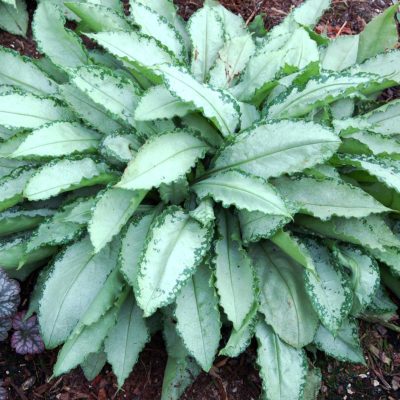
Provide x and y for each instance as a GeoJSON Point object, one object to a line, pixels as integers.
{"type": "Point", "coordinates": [184, 176]}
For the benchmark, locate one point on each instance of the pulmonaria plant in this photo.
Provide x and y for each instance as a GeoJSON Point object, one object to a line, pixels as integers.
{"type": "Point", "coordinates": [184, 175]}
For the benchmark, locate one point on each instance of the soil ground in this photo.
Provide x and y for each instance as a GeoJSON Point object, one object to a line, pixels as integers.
{"type": "Point", "coordinates": [28, 378]}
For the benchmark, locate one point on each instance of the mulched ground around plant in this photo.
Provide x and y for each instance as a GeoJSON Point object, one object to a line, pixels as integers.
{"type": "Point", "coordinates": [28, 378]}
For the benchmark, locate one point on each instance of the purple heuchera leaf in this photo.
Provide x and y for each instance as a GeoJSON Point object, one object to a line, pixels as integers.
{"type": "Point", "coordinates": [9, 295]}
{"type": "Point", "coordinates": [5, 326]}
{"type": "Point", "coordinates": [26, 339]}
{"type": "Point", "coordinates": [3, 392]}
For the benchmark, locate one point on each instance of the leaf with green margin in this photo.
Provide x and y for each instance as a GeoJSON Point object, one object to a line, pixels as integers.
{"type": "Point", "coordinates": [21, 72]}
{"type": "Point", "coordinates": [37, 292]}
{"type": "Point", "coordinates": [61, 45]}
{"type": "Point", "coordinates": [293, 247]}
{"type": "Point", "coordinates": [372, 232]}
{"type": "Point", "coordinates": [159, 103]}
{"type": "Point", "coordinates": [204, 213]}
{"type": "Point", "coordinates": [111, 212]}
{"type": "Point", "coordinates": [11, 144]}
{"type": "Point", "coordinates": [198, 318]}
{"type": "Point", "coordinates": [385, 170]}
{"type": "Point", "coordinates": [383, 120]}
{"type": "Point", "coordinates": [206, 33]}
{"type": "Point", "coordinates": [64, 227]}
{"type": "Point", "coordinates": [270, 149]}
{"type": "Point", "coordinates": [283, 368]}
{"type": "Point", "coordinates": [313, 384]}
{"type": "Point", "coordinates": [244, 191]}
{"type": "Point", "coordinates": [16, 261]}
{"type": "Point", "coordinates": [26, 110]}
{"type": "Point", "coordinates": [14, 19]}
{"type": "Point", "coordinates": [133, 48]}
{"type": "Point", "coordinates": [239, 340]}
{"type": "Point", "coordinates": [133, 241]}
{"type": "Point", "coordinates": [126, 339]}
{"type": "Point", "coordinates": [283, 298]}
{"type": "Point", "coordinates": [117, 95]}
{"type": "Point", "coordinates": [93, 364]}
{"type": "Point", "coordinates": [65, 175]}
{"type": "Point", "coordinates": [256, 225]}
{"type": "Point", "coordinates": [365, 276]}
{"type": "Point", "coordinates": [175, 192]}
{"type": "Point", "coordinates": [98, 18]}
{"type": "Point", "coordinates": [176, 245]}
{"type": "Point", "coordinates": [163, 159]}
{"type": "Point", "coordinates": [390, 257]}
{"type": "Point", "coordinates": [12, 187]}
{"type": "Point", "coordinates": [57, 139]}
{"type": "Point", "coordinates": [328, 290]}
{"type": "Point", "coordinates": [344, 345]}
{"type": "Point", "coordinates": [217, 105]}
{"type": "Point", "coordinates": [64, 302]}
{"type": "Point", "coordinates": [296, 102]}
{"type": "Point", "coordinates": [235, 281]}
{"type": "Point", "coordinates": [231, 61]}
{"type": "Point", "coordinates": [157, 26]}
{"type": "Point", "coordinates": [328, 197]}
{"type": "Point", "coordinates": [18, 220]}
{"type": "Point", "coordinates": [79, 346]}
{"type": "Point", "coordinates": [119, 148]}
{"type": "Point", "coordinates": [379, 35]}
{"type": "Point", "coordinates": [93, 114]}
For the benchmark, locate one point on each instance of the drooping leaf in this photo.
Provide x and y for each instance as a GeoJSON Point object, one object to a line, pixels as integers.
{"type": "Point", "coordinates": [63, 175]}
{"type": "Point", "coordinates": [175, 247]}
{"type": "Point", "coordinates": [283, 298]}
{"type": "Point", "coordinates": [63, 302]}
{"type": "Point", "coordinates": [344, 345]}
{"type": "Point", "coordinates": [328, 290]}
{"type": "Point", "coordinates": [163, 159]}
{"type": "Point", "coordinates": [234, 273]}
{"type": "Point", "coordinates": [283, 368]}
{"type": "Point", "coordinates": [126, 339]}
{"type": "Point", "coordinates": [198, 318]}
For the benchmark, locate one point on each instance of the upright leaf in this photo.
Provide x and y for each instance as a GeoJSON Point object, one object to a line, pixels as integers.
{"type": "Point", "coordinates": [61, 45]}
{"type": "Point", "coordinates": [218, 106]}
{"type": "Point", "coordinates": [175, 247]}
{"type": "Point", "coordinates": [207, 36]}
